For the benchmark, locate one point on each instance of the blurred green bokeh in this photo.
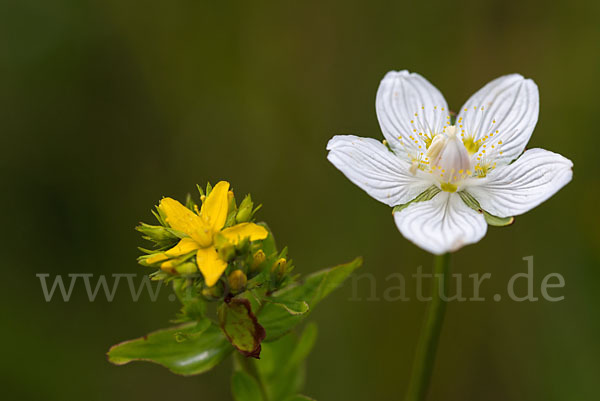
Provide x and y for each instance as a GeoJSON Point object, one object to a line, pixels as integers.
{"type": "Point", "coordinates": [106, 106]}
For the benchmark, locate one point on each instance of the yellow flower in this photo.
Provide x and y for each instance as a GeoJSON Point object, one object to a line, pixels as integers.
{"type": "Point", "coordinates": [202, 230]}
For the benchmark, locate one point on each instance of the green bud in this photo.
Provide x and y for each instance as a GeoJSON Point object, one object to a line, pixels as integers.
{"type": "Point", "coordinates": [244, 213]}
{"type": "Point", "coordinates": [160, 216]}
{"type": "Point", "coordinates": [158, 234]}
{"type": "Point", "coordinates": [232, 205]}
{"type": "Point", "coordinates": [186, 268]}
{"type": "Point", "coordinates": [237, 280]}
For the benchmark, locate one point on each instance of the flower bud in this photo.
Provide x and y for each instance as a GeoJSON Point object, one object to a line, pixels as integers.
{"type": "Point", "coordinates": [230, 199]}
{"type": "Point", "coordinates": [244, 213]}
{"type": "Point", "coordinates": [237, 280]}
{"type": "Point", "coordinates": [186, 268]}
{"type": "Point", "coordinates": [258, 259]}
{"type": "Point", "coordinates": [279, 267]}
{"type": "Point", "coordinates": [158, 234]}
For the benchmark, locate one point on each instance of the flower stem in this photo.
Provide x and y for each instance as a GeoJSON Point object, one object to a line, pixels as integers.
{"type": "Point", "coordinates": [430, 333]}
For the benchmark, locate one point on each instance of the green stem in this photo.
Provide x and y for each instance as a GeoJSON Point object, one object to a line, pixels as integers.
{"type": "Point", "coordinates": [430, 333]}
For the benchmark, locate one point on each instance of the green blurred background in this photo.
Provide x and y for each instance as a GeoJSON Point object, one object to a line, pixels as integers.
{"type": "Point", "coordinates": [106, 106]}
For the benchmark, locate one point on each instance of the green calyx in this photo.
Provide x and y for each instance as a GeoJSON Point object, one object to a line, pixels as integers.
{"type": "Point", "coordinates": [426, 195]}
{"type": "Point", "coordinates": [489, 218]}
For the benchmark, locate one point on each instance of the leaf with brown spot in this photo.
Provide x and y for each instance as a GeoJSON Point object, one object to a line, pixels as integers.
{"type": "Point", "coordinates": [241, 326]}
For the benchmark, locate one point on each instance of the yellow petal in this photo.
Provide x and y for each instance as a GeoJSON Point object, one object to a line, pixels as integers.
{"type": "Point", "coordinates": [245, 230]}
{"type": "Point", "coordinates": [186, 245]}
{"type": "Point", "coordinates": [157, 257]}
{"type": "Point", "coordinates": [211, 266]}
{"type": "Point", "coordinates": [168, 266]}
{"type": "Point", "coordinates": [183, 219]}
{"type": "Point", "coordinates": [215, 206]}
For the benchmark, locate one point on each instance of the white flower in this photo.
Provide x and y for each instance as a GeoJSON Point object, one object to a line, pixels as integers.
{"type": "Point", "coordinates": [449, 181]}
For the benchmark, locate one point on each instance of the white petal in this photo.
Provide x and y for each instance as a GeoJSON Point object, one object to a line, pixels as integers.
{"type": "Point", "coordinates": [375, 169]}
{"type": "Point", "coordinates": [519, 187]}
{"type": "Point", "coordinates": [442, 224]}
{"type": "Point", "coordinates": [506, 110]}
{"type": "Point", "coordinates": [408, 105]}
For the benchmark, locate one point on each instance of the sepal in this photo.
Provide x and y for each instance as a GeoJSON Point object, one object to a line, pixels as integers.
{"type": "Point", "coordinates": [489, 218]}
{"type": "Point", "coordinates": [426, 195]}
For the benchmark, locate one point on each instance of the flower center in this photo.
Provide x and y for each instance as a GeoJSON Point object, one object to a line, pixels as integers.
{"type": "Point", "coordinates": [204, 234]}
{"type": "Point", "coordinates": [449, 159]}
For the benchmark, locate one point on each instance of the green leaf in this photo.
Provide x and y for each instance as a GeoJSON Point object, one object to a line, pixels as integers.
{"type": "Point", "coordinates": [198, 354]}
{"type": "Point", "coordinates": [291, 307]}
{"type": "Point", "coordinates": [281, 368]}
{"type": "Point", "coordinates": [489, 218]}
{"type": "Point", "coordinates": [426, 195]}
{"type": "Point", "coordinates": [241, 326]}
{"type": "Point", "coordinates": [244, 387]}
{"type": "Point", "coordinates": [277, 320]}
{"type": "Point", "coordinates": [272, 366]}
{"type": "Point", "coordinates": [280, 357]}
{"type": "Point", "coordinates": [200, 327]}
{"type": "Point", "coordinates": [306, 342]}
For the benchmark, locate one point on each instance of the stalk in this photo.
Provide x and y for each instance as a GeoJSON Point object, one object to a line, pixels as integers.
{"type": "Point", "coordinates": [430, 333]}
